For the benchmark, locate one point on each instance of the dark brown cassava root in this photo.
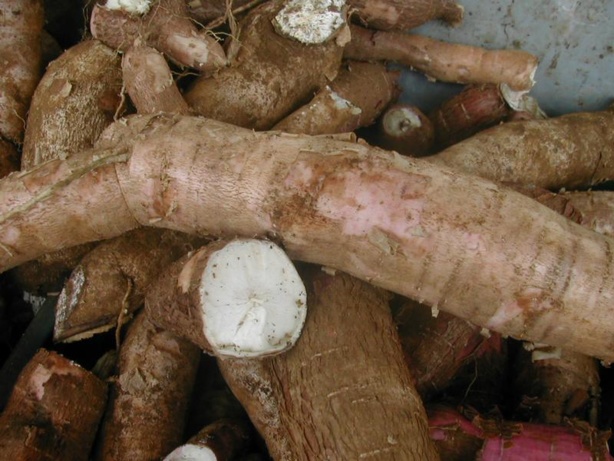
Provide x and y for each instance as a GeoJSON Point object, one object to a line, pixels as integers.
{"type": "Point", "coordinates": [149, 399]}
{"type": "Point", "coordinates": [346, 373]}
{"type": "Point", "coordinates": [53, 412]}
{"type": "Point", "coordinates": [496, 257]}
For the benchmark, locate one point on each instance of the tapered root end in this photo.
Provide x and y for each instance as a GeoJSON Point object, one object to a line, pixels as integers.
{"type": "Point", "coordinates": [253, 300]}
{"type": "Point", "coordinates": [453, 14]}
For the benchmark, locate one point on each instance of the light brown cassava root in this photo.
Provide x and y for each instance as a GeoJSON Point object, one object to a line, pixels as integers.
{"type": "Point", "coordinates": [53, 411]}
{"type": "Point", "coordinates": [166, 27]}
{"type": "Point", "coordinates": [149, 82]}
{"type": "Point", "coordinates": [269, 75]}
{"type": "Point", "coordinates": [359, 93]}
{"type": "Point", "coordinates": [404, 15]}
{"type": "Point", "coordinates": [570, 151]}
{"type": "Point", "coordinates": [76, 99]}
{"type": "Point", "coordinates": [149, 399]}
{"type": "Point", "coordinates": [495, 257]}
{"type": "Point", "coordinates": [346, 374]}
{"type": "Point", "coordinates": [447, 62]}
{"type": "Point", "coordinates": [74, 102]}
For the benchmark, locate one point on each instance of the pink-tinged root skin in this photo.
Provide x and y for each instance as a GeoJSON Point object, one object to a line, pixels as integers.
{"type": "Point", "coordinates": [466, 245]}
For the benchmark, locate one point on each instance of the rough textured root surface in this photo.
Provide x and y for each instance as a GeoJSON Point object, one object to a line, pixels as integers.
{"type": "Point", "coordinates": [553, 384]}
{"type": "Point", "coordinates": [348, 359]}
{"type": "Point", "coordinates": [148, 403]}
{"type": "Point", "coordinates": [269, 75]}
{"type": "Point", "coordinates": [569, 151]}
{"type": "Point", "coordinates": [206, 11]}
{"type": "Point", "coordinates": [475, 108]}
{"type": "Point", "coordinates": [595, 209]}
{"type": "Point", "coordinates": [20, 38]}
{"type": "Point", "coordinates": [359, 93]}
{"type": "Point", "coordinates": [110, 282]}
{"type": "Point", "coordinates": [459, 438]}
{"type": "Point", "coordinates": [447, 62]}
{"type": "Point", "coordinates": [75, 101]}
{"type": "Point", "coordinates": [241, 298]}
{"type": "Point", "coordinates": [435, 347]}
{"type": "Point", "coordinates": [53, 411]}
{"type": "Point", "coordinates": [495, 257]}
{"type": "Point", "coordinates": [404, 15]}
{"type": "Point", "coordinates": [149, 82]}
{"type": "Point", "coordinates": [165, 27]}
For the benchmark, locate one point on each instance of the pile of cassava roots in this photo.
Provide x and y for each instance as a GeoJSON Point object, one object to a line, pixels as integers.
{"type": "Point", "coordinates": [226, 234]}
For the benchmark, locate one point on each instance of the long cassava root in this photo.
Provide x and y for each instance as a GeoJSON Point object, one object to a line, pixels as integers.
{"type": "Point", "coordinates": [495, 256]}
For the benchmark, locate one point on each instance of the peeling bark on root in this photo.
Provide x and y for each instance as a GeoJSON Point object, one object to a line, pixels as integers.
{"type": "Point", "coordinates": [53, 411]}
{"type": "Point", "coordinates": [456, 242]}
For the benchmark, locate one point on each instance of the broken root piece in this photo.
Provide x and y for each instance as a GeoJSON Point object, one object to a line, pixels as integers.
{"type": "Point", "coordinates": [242, 298]}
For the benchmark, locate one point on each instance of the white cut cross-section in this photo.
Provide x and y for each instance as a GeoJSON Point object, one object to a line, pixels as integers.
{"type": "Point", "coordinates": [129, 6]}
{"type": "Point", "coordinates": [254, 301]}
{"type": "Point", "coordinates": [191, 452]}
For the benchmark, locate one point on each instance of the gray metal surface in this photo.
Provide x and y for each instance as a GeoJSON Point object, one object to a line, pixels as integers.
{"type": "Point", "coordinates": [574, 41]}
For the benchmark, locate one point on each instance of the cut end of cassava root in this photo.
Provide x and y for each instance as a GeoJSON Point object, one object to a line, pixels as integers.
{"type": "Point", "coordinates": [253, 299]}
{"type": "Point", "coordinates": [310, 21]}
{"type": "Point", "coordinates": [129, 6]}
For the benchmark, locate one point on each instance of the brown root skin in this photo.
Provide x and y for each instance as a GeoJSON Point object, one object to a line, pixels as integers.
{"type": "Point", "coordinates": [354, 99]}
{"type": "Point", "coordinates": [340, 204]}
{"type": "Point", "coordinates": [149, 82]}
{"type": "Point", "coordinates": [21, 57]}
{"type": "Point", "coordinates": [446, 62]}
{"type": "Point", "coordinates": [347, 358]}
{"type": "Point", "coordinates": [75, 101]}
{"type": "Point", "coordinates": [404, 15]}
{"type": "Point", "coordinates": [149, 399]}
{"type": "Point", "coordinates": [110, 282]}
{"type": "Point", "coordinates": [326, 113]}
{"type": "Point", "coordinates": [53, 411]}
{"type": "Point", "coordinates": [554, 384]}
{"type": "Point", "coordinates": [595, 208]}
{"type": "Point", "coordinates": [475, 108]}
{"type": "Point", "coordinates": [207, 11]}
{"type": "Point", "coordinates": [570, 151]}
{"type": "Point", "coordinates": [435, 347]}
{"type": "Point", "coordinates": [165, 27]}
{"type": "Point", "coordinates": [407, 130]}
{"type": "Point", "coordinates": [9, 158]}
{"type": "Point", "coordinates": [269, 75]}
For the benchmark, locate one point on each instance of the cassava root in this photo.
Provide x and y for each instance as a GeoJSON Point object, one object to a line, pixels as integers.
{"type": "Point", "coordinates": [498, 258]}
